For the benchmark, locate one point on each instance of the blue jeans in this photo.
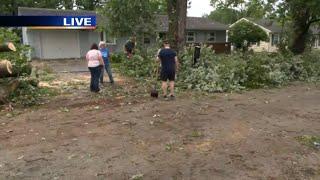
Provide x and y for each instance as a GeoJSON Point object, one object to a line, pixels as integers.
{"type": "Point", "coordinates": [95, 74]}
{"type": "Point", "coordinates": [108, 69]}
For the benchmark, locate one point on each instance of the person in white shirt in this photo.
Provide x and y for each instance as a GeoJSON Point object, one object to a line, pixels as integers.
{"type": "Point", "coordinates": [95, 65]}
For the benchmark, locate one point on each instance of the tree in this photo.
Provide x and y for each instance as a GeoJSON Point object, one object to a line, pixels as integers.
{"type": "Point", "coordinates": [225, 15]}
{"type": "Point", "coordinates": [177, 16]}
{"type": "Point", "coordinates": [304, 14]}
{"type": "Point", "coordinates": [130, 17]}
{"type": "Point", "coordinates": [89, 4]}
{"type": "Point", "coordinates": [10, 7]}
{"type": "Point", "coordinates": [228, 12]}
{"type": "Point", "coordinates": [244, 33]}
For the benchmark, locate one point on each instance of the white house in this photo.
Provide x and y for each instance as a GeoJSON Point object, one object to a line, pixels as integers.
{"type": "Point", "coordinates": [271, 28]}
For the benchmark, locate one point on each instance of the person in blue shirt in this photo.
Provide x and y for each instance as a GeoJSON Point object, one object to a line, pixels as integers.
{"type": "Point", "coordinates": [169, 66]}
{"type": "Point", "coordinates": [106, 58]}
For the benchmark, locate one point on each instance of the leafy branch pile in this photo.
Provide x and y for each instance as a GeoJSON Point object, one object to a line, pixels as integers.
{"type": "Point", "coordinates": [219, 73]}
{"type": "Point", "coordinates": [139, 66]}
{"type": "Point", "coordinates": [233, 72]}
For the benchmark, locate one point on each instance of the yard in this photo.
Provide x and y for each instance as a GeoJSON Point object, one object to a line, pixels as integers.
{"type": "Point", "coordinates": [79, 135]}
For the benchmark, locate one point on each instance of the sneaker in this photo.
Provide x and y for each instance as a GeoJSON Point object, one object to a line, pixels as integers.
{"type": "Point", "coordinates": [172, 97]}
{"type": "Point", "coordinates": [165, 97]}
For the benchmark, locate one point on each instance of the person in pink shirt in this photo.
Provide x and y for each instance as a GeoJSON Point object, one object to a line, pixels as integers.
{"type": "Point", "coordinates": [95, 65]}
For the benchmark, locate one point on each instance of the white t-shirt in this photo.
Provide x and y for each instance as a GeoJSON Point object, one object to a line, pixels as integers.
{"type": "Point", "coordinates": [93, 57]}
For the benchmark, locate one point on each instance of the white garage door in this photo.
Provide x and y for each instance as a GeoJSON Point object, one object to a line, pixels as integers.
{"type": "Point", "coordinates": [59, 44]}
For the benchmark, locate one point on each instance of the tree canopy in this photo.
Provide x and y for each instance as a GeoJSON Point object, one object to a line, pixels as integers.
{"type": "Point", "coordinates": [128, 17]}
{"type": "Point", "coordinates": [230, 11]}
{"type": "Point", "coordinates": [10, 7]}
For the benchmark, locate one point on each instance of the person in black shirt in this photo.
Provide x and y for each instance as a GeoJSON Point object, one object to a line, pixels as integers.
{"type": "Point", "coordinates": [169, 65]}
{"type": "Point", "coordinates": [129, 46]}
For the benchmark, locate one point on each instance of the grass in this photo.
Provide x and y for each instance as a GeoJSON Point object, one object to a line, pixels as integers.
{"type": "Point", "coordinates": [308, 140]}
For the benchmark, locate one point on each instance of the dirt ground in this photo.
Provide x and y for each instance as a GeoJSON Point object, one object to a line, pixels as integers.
{"type": "Point", "coordinates": [79, 135]}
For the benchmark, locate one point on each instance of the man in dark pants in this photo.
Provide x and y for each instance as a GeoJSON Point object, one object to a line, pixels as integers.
{"type": "Point", "coordinates": [169, 65]}
{"type": "Point", "coordinates": [129, 47]}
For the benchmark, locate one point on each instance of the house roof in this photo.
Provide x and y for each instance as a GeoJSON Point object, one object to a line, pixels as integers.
{"type": "Point", "coordinates": [269, 24]}
{"type": "Point", "coordinates": [193, 23]}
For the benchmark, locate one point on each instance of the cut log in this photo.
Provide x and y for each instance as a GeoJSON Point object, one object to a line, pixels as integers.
{"type": "Point", "coordinates": [5, 68]}
{"type": "Point", "coordinates": [8, 46]}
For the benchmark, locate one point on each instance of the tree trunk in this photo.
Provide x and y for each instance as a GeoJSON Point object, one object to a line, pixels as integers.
{"type": "Point", "coordinates": [182, 23]}
{"type": "Point", "coordinates": [301, 27]}
{"type": "Point", "coordinates": [177, 15]}
{"type": "Point", "coordinates": [8, 46]}
{"type": "Point", "coordinates": [5, 68]}
{"type": "Point", "coordinates": [299, 42]}
{"type": "Point", "coordinates": [7, 86]}
{"type": "Point", "coordinates": [173, 23]}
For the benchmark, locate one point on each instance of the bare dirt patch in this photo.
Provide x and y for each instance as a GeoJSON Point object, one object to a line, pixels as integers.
{"type": "Point", "coordinates": [121, 135]}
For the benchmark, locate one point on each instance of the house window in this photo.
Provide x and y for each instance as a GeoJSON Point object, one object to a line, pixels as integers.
{"type": "Point", "coordinates": [190, 37]}
{"type": "Point", "coordinates": [146, 40]}
{"type": "Point", "coordinates": [211, 37]}
{"type": "Point", "coordinates": [162, 35]}
{"type": "Point", "coordinates": [275, 39]}
{"type": "Point", "coordinates": [109, 40]}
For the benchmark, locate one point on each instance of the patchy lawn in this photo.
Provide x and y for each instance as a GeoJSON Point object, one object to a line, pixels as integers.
{"type": "Point", "coordinates": [122, 133]}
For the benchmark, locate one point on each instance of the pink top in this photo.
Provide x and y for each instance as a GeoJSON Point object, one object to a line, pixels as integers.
{"type": "Point", "coordinates": [93, 57]}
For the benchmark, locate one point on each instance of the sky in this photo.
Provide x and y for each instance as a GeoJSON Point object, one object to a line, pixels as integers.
{"type": "Point", "coordinates": [199, 8]}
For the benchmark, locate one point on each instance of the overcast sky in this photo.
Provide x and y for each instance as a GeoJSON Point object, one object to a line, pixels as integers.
{"type": "Point", "coordinates": [199, 8]}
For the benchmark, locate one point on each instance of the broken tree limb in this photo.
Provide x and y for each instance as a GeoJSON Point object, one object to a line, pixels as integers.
{"type": "Point", "coordinates": [8, 46]}
{"type": "Point", "coordinates": [5, 68]}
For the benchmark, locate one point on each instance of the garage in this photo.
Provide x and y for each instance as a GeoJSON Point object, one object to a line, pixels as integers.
{"type": "Point", "coordinates": [59, 44]}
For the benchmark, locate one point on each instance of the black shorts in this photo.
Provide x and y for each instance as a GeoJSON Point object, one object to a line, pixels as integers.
{"type": "Point", "coordinates": [168, 75]}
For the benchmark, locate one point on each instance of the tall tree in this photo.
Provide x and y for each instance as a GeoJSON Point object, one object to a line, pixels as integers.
{"type": "Point", "coordinates": [89, 4]}
{"type": "Point", "coordinates": [225, 15]}
{"type": "Point", "coordinates": [10, 7]}
{"type": "Point", "coordinates": [240, 8]}
{"type": "Point", "coordinates": [130, 17]}
{"type": "Point", "coordinates": [177, 16]}
{"type": "Point", "coordinates": [304, 14]}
